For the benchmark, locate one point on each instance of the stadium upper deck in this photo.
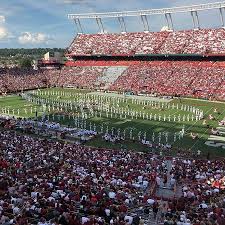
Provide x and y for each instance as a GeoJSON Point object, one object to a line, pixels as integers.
{"type": "Point", "coordinates": [192, 41]}
{"type": "Point", "coordinates": [202, 41]}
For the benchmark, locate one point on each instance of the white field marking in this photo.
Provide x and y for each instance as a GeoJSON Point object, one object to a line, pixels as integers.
{"type": "Point", "coordinates": [7, 96]}
{"type": "Point", "coordinates": [122, 122]}
{"type": "Point", "coordinates": [167, 121]}
{"type": "Point", "coordinates": [204, 100]}
{"type": "Point", "coordinates": [138, 97]}
{"type": "Point", "coordinates": [195, 123]}
{"type": "Point", "coordinates": [199, 138]}
{"type": "Point", "coordinates": [185, 134]}
{"type": "Point", "coordinates": [204, 132]}
{"type": "Point", "coordinates": [216, 138]}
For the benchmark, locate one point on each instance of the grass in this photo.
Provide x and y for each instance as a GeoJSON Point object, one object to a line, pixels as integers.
{"type": "Point", "coordinates": [140, 125]}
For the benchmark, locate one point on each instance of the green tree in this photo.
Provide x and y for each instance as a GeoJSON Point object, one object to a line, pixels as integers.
{"type": "Point", "coordinates": [25, 63]}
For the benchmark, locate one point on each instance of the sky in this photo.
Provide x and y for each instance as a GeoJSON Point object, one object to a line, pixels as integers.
{"type": "Point", "coordinates": [44, 23]}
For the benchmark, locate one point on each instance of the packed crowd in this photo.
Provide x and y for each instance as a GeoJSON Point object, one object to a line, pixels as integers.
{"type": "Point", "coordinates": [82, 77]}
{"type": "Point", "coordinates": [49, 182]}
{"type": "Point", "coordinates": [203, 184]}
{"type": "Point", "coordinates": [16, 79]}
{"type": "Point", "coordinates": [62, 183]}
{"type": "Point", "coordinates": [184, 78]}
{"type": "Point", "coordinates": [173, 78]}
{"type": "Point", "coordinates": [203, 41]}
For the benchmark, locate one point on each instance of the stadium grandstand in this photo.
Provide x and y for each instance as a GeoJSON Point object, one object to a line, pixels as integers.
{"type": "Point", "coordinates": [176, 63]}
{"type": "Point", "coordinates": [142, 62]}
{"type": "Point", "coordinates": [169, 83]}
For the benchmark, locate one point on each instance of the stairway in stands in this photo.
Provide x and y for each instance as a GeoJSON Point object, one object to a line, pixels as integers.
{"type": "Point", "coordinates": [167, 192]}
{"type": "Point", "coordinates": [151, 220]}
{"type": "Point", "coordinates": [148, 218]}
{"type": "Point", "coordinates": [110, 75]}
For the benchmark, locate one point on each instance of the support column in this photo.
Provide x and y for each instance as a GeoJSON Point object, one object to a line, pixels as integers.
{"type": "Point", "coordinates": [147, 24]}
{"type": "Point", "coordinates": [197, 19]}
{"type": "Point", "coordinates": [193, 19]}
{"type": "Point", "coordinates": [221, 16]}
{"type": "Point", "coordinates": [171, 21]}
{"type": "Point", "coordinates": [100, 25]}
{"type": "Point", "coordinates": [121, 27]}
{"type": "Point", "coordinates": [144, 20]}
{"type": "Point", "coordinates": [81, 29]}
{"type": "Point", "coordinates": [103, 29]}
{"type": "Point", "coordinates": [122, 24]}
{"type": "Point", "coordinates": [78, 25]}
{"type": "Point", "coordinates": [167, 21]}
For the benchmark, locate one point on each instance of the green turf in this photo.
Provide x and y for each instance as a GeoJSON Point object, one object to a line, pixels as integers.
{"type": "Point", "coordinates": [149, 127]}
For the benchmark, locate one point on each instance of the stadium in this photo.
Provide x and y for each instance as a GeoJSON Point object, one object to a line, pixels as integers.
{"type": "Point", "coordinates": [129, 130]}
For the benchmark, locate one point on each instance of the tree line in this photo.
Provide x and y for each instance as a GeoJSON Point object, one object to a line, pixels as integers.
{"type": "Point", "coordinates": [7, 52]}
{"type": "Point", "coordinates": [23, 57]}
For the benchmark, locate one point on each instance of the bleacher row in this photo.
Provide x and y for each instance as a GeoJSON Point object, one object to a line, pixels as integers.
{"type": "Point", "coordinates": [203, 41]}
{"type": "Point", "coordinates": [185, 78]}
{"type": "Point", "coordinates": [16, 79]}
{"type": "Point", "coordinates": [194, 79]}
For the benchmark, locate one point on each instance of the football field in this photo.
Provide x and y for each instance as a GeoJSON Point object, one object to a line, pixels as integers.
{"type": "Point", "coordinates": [136, 118]}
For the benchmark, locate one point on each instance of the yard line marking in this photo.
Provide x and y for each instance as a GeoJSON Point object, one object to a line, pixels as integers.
{"type": "Point", "coordinates": [196, 122]}
{"type": "Point", "coordinates": [199, 139]}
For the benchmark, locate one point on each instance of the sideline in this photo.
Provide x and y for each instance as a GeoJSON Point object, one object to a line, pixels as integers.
{"type": "Point", "coordinates": [149, 98]}
{"type": "Point", "coordinates": [204, 100]}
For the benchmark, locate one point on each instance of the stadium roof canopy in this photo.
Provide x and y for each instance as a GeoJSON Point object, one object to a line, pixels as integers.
{"type": "Point", "coordinates": [216, 5]}
{"type": "Point", "coordinates": [193, 9]}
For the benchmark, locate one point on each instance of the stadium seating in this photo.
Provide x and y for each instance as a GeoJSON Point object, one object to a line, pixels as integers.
{"type": "Point", "coordinates": [82, 77]}
{"type": "Point", "coordinates": [45, 180]}
{"type": "Point", "coordinates": [203, 41]}
{"type": "Point", "coordinates": [220, 92]}
{"type": "Point", "coordinates": [206, 41]}
{"type": "Point", "coordinates": [172, 78]}
{"type": "Point", "coordinates": [13, 80]}
{"type": "Point", "coordinates": [185, 78]}
{"type": "Point", "coordinates": [110, 75]}
{"type": "Point", "coordinates": [200, 79]}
